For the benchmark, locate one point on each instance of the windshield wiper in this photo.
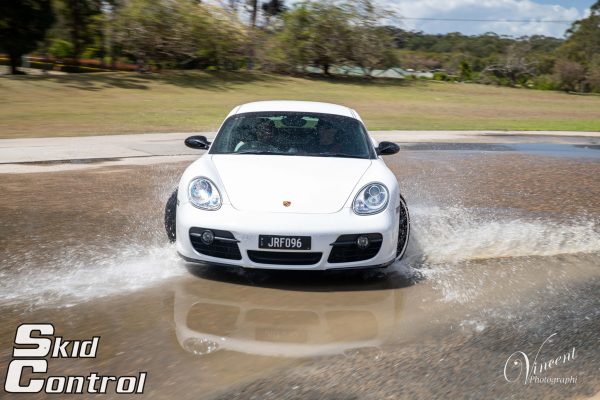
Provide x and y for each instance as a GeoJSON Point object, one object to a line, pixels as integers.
{"type": "Point", "coordinates": [342, 155]}
{"type": "Point", "coordinates": [277, 153]}
{"type": "Point", "coordinates": [260, 152]}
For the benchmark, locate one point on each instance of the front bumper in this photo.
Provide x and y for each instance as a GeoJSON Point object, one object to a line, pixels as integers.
{"type": "Point", "coordinates": [324, 229]}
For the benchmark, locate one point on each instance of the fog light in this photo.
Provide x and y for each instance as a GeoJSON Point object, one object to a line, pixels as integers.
{"type": "Point", "coordinates": [362, 242]}
{"type": "Point", "coordinates": [207, 237]}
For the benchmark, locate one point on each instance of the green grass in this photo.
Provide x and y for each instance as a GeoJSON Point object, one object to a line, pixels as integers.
{"type": "Point", "coordinates": [113, 103]}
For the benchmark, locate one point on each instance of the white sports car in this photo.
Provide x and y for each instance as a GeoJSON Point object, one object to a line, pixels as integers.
{"type": "Point", "coordinates": [290, 185]}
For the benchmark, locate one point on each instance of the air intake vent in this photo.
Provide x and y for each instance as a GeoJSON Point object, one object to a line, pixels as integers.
{"type": "Point", "coordinates": [284, 258]}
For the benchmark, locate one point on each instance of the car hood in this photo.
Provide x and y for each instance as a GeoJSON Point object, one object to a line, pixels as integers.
{"type": "Point", "coordinates": [315, 185]}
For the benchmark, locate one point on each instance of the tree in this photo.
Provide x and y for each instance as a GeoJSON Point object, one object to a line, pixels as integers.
{"type": "Point", "coordinates": [317, 34]}
{"type": "Point", "coordinates": [372, 44]}
{"type": "Point", "coordinates": [583, 40]}
{"type": "Point", "coordinates": [593, 75]}
{"type": "Point", "coordinates": [330, 33]}
{"type": "Point", "coordinates": [253, 12]}
{"type": "Point", "coordinates": [273, 7]}
{"type": "Point", "coordinates": [81, 23]}
{"type": "Point", "coordinates": [515, 65]}
{"type": "Point", "coordinates": [570, 74]}
{"type": "Point", "coordinates": [292, 44]}
{"type": "Point", "coordinates": [22, 25]}
{"type": "Point", "coordinates": [179, 32]}
{"type": "Point", "coordinates": [580, 52]}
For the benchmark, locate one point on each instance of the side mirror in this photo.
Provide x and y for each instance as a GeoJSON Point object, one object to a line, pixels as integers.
{"type": "Point", "coordinates": [387, 148]}
{"type": "Point", "coordinates": [197, 142]}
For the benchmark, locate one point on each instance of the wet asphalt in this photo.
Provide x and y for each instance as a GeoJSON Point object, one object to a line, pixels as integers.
{"type": "Point", "coordinates": [505, 253]}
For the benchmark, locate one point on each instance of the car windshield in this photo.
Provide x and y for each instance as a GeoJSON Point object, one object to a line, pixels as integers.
{"type": "Point", "coordinates": [293, 133]}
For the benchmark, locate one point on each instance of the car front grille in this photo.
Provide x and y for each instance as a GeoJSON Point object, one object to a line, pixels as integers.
{"type": "Point", "coordinates": [284, 258]}
{"type": "Point", "coordinates": [344, 249]}
{"type": "Point", "coordinates": [224, 246]}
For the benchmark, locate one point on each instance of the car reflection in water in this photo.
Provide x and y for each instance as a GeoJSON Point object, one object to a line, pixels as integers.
{"type": "Point", "coordinates": [212, 316]}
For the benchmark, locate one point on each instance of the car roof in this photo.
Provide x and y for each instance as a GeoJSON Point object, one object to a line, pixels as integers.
{"type": "Point", "coordinates": [291, 105]}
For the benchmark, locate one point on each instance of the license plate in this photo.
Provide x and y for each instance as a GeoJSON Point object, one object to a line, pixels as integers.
{"type": "Point", "coordinates": [284, 242]}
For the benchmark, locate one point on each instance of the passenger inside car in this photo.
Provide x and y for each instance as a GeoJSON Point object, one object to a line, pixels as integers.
{"type": "Point", "coordinates": [328, 138]}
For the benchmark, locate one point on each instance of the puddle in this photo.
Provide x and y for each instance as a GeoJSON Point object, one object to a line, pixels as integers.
{"type": "Point", "coordinates": [538, 149]}
{"type": "Point", "coordinates": [502, 244]}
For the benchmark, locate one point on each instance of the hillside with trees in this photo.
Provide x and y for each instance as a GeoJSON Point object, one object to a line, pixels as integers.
{"type": "Point", "coordinates": [153, 35]}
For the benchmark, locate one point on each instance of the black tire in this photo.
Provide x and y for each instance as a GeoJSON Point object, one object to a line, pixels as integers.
{"type": "Point", "coordinates": [403, 229]}
{"type": "Point", "coordinates": [170, 217]}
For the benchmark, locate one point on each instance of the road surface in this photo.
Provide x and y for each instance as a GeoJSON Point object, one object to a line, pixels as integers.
{"type": "Point", "coordinates": [504, 254]}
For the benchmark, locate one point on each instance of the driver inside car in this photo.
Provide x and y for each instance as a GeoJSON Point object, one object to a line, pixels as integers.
{"type": "Point", "coordinates": [265, 132]}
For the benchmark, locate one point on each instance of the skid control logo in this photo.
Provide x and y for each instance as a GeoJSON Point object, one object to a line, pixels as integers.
{"type": "Point", "coordinates": [36, 346]}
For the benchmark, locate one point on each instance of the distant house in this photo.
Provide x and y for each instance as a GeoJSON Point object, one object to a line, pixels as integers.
{"type": "Point", "coordinates": [393, 73]}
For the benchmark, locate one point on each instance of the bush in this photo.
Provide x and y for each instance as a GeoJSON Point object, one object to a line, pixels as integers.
{"type": "Point", "coordinates": [91, 52]}
{"type": "Point", "coordinates": [466, 73]}
{"type": "Point", "coordinates": [61, 48]}
{"type": "Point", "coordinates": [569, 74]}
{"type": "Point", "coordinates": [593, 80]}
{"type": "Point", "coordinates": [545, 82]}
{"type": "Point", "coordinates": [440, 76]}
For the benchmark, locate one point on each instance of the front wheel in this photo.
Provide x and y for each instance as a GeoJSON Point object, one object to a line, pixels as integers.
{"type": "Point", "coordinates": [170, 217]}
{"type": "Point", "coordinates": [403, 229]}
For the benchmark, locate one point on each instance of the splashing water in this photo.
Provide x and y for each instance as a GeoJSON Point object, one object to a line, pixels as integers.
{"type": "Point", "coordinates": [454, 248]}
{"type": "Point", "coordinates": [440, 238]}
{"type": "Point", "coordinates": [453, 234]}
{"type": "Point", "coordinates": [80, 276]}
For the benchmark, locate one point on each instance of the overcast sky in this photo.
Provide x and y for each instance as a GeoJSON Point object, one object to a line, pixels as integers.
{"type": "Point", "coordinates": [528, 10]}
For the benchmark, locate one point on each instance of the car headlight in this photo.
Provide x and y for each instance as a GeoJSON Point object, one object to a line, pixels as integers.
{"type": "Point", "coordinates": [371, 199]}
{"type": "Point", "coordinates": [203, 193]}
